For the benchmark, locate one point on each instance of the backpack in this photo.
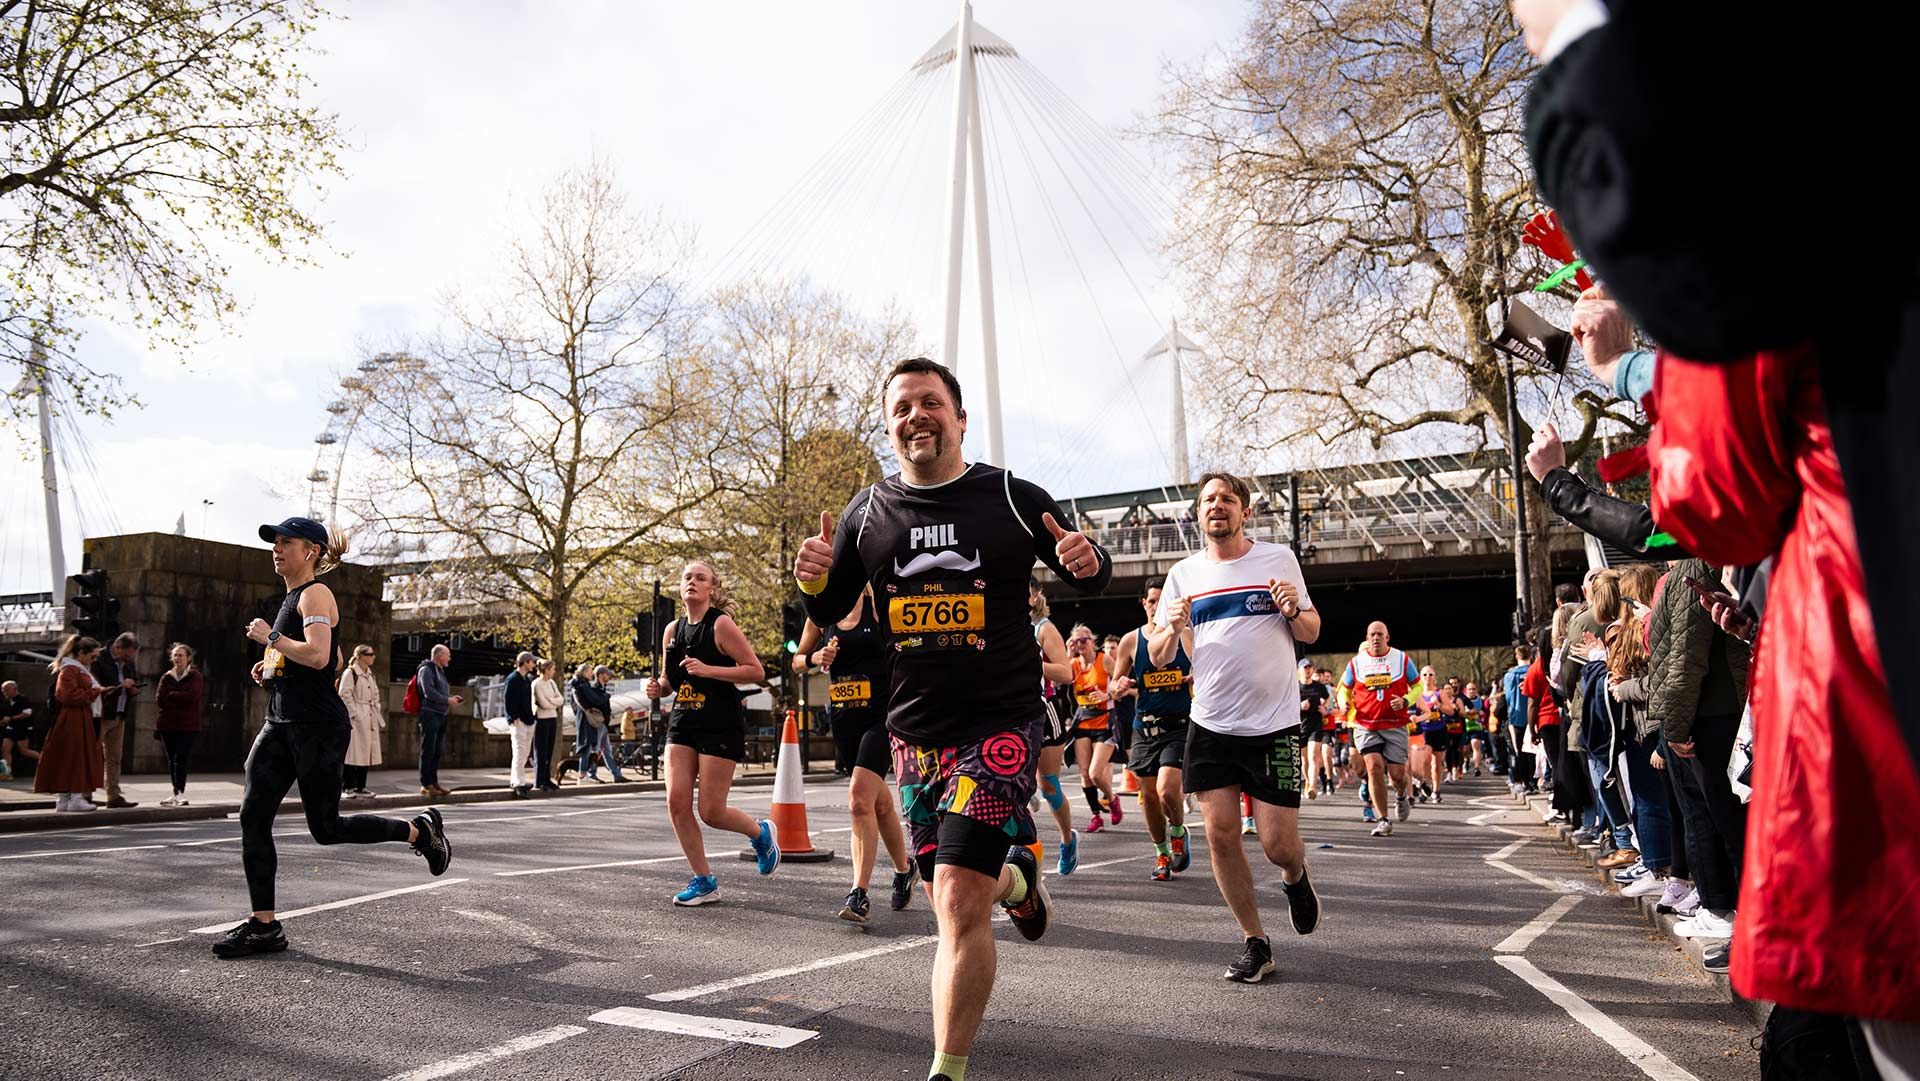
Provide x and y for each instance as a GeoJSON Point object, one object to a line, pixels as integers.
{"type": "Point", "coordinates": [1800, 1045]}
{"type": "Point", "coordinates": [411, 703]}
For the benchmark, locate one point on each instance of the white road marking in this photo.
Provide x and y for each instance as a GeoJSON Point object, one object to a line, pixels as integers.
{"type": "Point", "coordinates": [587, 866]}
{"type": "Point", "coordinates": [1518, 941]}
{"type": "Point", "coordinates": [717, 986]}
{"type": "Point", "coordinates": [1509, 850]}
{"type": "Point", "coordinates": [449, 1067]}
{"type": "Point", "coordinates": [217, 928]}
{"type": "Point", "coordinates": [1090, 866]}
{"type": "Point", "coordinates": [76, 852]}
{"type": "Point", "coordinates": [713, 1028]}
{"type": "Point", "coordinates": [1545, 884]}
{"type": "Point", "coordinates": [161, 942]}
{"type": "Point", "coordinates": [1634, 1049]}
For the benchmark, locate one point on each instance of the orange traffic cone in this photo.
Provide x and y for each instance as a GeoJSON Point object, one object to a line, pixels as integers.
{"type": "Point", "coordinates": [1130, 782]}
{"type": "Point", "coordinates": [789, 809]}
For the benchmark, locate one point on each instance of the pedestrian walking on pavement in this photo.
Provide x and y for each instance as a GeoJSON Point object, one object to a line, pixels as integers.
{"type": "Point", "coordinates": [366, 703]}
{"type": "Point", "coordinates": [70, 762]}
{"type": "Point", "coordinates": [304, 740]}
{"type": "Point", "coordinates": [181, 692]}
{"type": "Point", "coordinates": [436, 700]}
{"type": "Point", "coordinates": [596, 727]}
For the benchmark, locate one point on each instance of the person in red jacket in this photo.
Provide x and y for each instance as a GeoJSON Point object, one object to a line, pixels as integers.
{"type": "Point", "coordinates": [1743, 467]}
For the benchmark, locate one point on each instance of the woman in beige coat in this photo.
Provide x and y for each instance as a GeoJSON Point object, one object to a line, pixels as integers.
{"type": "Point", "coordinates": [367, 711]}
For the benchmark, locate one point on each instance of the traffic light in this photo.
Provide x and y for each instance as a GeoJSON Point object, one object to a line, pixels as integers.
{"type": "Point", "coordinates": [793, 624]}
{"type": "Point", "coordinates": [648, 627]}
{"type": "Point", "coordinates": [642, 632]}
{"type": "Point", "coordinates": [90, 609]}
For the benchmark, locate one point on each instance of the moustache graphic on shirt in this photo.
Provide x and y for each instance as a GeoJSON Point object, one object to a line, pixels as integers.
{"type": "Point", "coordinates": [926, 561]}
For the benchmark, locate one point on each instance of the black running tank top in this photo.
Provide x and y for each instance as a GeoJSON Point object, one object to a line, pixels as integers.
{"type": "Point", "coordinates": [698, 700]}
{"type": "Point", "coordinates": [859, 675]}
{"type": "Point", "coordinates": [297, 694]}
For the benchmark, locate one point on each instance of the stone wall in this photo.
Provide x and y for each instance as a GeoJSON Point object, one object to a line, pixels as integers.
{"type": "Point", "coordinates": [201, 592]}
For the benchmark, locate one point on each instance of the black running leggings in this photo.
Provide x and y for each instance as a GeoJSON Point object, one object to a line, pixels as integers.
{"type": "Point", "coordinates": [309, 755]}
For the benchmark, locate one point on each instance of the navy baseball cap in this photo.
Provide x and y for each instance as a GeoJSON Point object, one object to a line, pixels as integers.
{"type": "Point", "coordinates": [304, 528]}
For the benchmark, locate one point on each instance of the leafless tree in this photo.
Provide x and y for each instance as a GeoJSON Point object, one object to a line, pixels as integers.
{"type": "Point", "coordinates": [553, 443]}
{"type": "Point", "coordinates": [1357, 185]}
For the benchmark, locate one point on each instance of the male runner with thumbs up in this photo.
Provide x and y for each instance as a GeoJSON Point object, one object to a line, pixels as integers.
{"type": "Point", "coordinates": [948, 547]}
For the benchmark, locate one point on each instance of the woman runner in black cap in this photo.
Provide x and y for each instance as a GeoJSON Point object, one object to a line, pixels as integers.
{"type": "Point", "coordinates": [304, 740]}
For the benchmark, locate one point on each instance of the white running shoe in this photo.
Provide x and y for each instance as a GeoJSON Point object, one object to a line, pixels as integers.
{"type": "Point", "coordinates": [1383, 828]}
{"type": "Point", "coordinates": [170, 801]}
{"type": "Point", "coordinates": [1689, 904]}
{"type": "Point", "coordinates": [78, 803]}
{"type": "Point", "coordinates": [1704, 924]}
{"type": "Point", "coordinates": [1645, 886]}
{"type": "Point", "coordinates": [1405, 810]}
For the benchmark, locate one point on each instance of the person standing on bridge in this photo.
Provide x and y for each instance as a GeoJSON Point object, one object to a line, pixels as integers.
{"type": "Point", "coordinates": [706, 655]}
{"type": "Point", "coordinates": [304, 740]}
{"type": "Point", "coordinates": [1381, 688]}
{"type": "Point", "coordinates": [950, 547]}
{"type": "Point", "coordinates": [1247, 605]}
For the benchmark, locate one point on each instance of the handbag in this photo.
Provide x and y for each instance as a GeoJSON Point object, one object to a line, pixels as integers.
{"type": "Point", "coordinates": [596, 719]}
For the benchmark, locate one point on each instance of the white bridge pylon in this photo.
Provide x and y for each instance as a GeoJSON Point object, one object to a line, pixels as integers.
{"type": "Point", "coordinates": [959, 46]}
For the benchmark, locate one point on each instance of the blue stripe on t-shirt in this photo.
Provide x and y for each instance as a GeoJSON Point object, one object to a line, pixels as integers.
{"type": "Point", "coordinates": [1252, 601]}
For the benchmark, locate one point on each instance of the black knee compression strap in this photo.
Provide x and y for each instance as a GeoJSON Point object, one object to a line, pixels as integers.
{"type": "Point", "coordinates": [973, 845]}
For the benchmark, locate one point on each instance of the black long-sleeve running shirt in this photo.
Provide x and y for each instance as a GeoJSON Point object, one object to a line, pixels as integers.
{"type": "Point", "coordinates": [949, 566]}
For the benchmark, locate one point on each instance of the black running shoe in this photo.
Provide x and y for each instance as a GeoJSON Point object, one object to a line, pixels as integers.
{"type": "Point", "coordinates": [1718, 957]}
{"type": "Point", "coordinates": [903, 884]}
{"type": "Point", "coordinates": [250, 938]}
{"type": "Point", "coordinates": [857, 909]}
{"type": "Point", "coordinates": [1254, 965]}
{"type": "Point", "coordinates": [1303, 905]}
{"type": "Point", "coordinates": [1031, 916]}
{"type": "Point", "coordinates": [432, 841]}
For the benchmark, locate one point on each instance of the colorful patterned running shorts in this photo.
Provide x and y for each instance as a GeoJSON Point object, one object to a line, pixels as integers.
{"type": "Point", "coordinates": [989, 782]}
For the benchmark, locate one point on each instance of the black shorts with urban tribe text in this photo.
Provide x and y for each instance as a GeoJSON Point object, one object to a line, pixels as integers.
{"type": "Point", "coordinates": [1266, 768]}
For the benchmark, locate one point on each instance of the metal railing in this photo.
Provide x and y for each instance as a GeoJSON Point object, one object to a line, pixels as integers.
{"type": "Point", "coordinates": [1440, 503]}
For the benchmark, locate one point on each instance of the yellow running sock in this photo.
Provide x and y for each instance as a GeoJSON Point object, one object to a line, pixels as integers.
{"type": "Point", "coordinates": [948, 1067]}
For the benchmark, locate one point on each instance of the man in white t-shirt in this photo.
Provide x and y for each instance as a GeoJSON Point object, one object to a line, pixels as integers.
{"type": "Point", "coordinates": [1246, 602]}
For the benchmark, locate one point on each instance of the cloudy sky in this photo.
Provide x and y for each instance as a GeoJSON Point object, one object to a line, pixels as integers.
{"type": "Point", "coordinates": [712, 112]}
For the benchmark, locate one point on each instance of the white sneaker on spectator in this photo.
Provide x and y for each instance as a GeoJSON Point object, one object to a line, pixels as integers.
{"type": "Point", "coordinates": [77, 803]}
{"type": "Point", "coordinates": [1704, 924]}
{"type": "Point", "coordinates": [1689, 904]}
{"type": "Point", "coordinates": [1645, 886]}
{"type": "Point", "coordinates": [170, 801]}
{"type": "Point", "coordinates": [1676, 892]}
{"type": "Point", "coordinates": [1632, 872]}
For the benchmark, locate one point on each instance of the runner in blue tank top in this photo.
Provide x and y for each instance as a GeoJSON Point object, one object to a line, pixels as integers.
{"type": "Point", "coordinates": [1159, 737]}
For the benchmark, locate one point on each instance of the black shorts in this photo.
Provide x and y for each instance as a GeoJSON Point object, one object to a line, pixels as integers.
{"type": "Point", "coordinates": [860, 737]}
{"type": "Point", "coordinates": [1158, 743]}
{"type": "Point", "coordinates": [1325, 735]}
{"type": "Point", "coordinates": [1438, 742]}
{"type": "Point", "coordinates": [1266, 768]}
{"type": "Point", "coordinates": [721, 741]}
{"type": "Point", "coordinates": [1059, 724]}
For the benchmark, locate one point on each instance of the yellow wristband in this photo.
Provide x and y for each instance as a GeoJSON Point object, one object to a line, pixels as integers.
{"type": "Point", "coordinates": [813, 589]}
